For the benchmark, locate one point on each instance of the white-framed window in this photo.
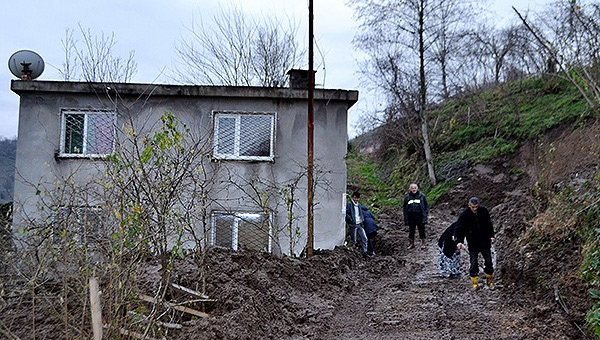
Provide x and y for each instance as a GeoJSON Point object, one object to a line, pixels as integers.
{"type": "Point", "coordinates": [87, 133]}
{"type": "Point", "coordinates": [244, 135]}
{"type": "Point", "coordinates": [241, 231]}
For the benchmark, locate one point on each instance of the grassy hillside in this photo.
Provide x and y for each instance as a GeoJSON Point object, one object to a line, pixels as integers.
{"type": "Point", "coordinates": [466, 130]}
{"type": "Point", "coordinates": [539, 130]}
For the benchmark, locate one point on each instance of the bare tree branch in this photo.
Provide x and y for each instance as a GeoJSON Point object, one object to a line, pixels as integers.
{"type": "Point", "coordinates": [574, 48]}
{"type": "Point", "coordinates": [234, 50]}
{"type": "Point", "coordinates": [93, 58]}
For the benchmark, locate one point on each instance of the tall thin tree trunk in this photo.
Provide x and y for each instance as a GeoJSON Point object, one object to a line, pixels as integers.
{"type": "Point", "coordinates": [444, 78]}
{"type": "Point", "coordinates": [423, 86]}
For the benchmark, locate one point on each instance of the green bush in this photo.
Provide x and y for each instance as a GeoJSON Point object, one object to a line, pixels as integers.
{"type": "Point", "coordinates": [590, 269]}
{"type": "Point", "coordinates": [592, 317]}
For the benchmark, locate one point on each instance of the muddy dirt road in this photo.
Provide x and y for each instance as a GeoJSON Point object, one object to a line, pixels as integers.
{"type": "Point", "coordinates": [413, 301]}
{"type": "Point", "coordinates": [400, 294]}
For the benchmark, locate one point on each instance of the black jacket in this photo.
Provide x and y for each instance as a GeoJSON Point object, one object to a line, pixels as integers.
{"type": "Point", "coordinates": [369, 223]}
{"type": "Point", "coordinates": [415, 208]}
{"type": "Point", "coordinates": [446, 242]}
{"type": "Point", "coordinates": [476, 228]}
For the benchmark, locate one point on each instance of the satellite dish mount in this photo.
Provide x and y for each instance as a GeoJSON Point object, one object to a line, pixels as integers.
{"type": "Point", "coordinates": [26, 65]}
{"type": "Point", "coordinates": [26, 71]}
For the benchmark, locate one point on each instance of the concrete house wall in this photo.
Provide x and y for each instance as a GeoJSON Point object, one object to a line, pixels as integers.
{"type": "Point", "coordinates": [39, 163]}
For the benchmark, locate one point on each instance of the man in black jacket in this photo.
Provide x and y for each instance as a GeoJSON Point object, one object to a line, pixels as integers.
{"type": "Point", "coordinates": [475, 224]}
{"type": "Point", "coordinates": [416, 211]}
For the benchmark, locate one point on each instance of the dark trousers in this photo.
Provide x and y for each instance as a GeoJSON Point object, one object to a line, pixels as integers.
{"type": "Point", "coordinates": [370, 237]}
{"type": "Point", "coordinates": [474, 261]}
{"type": "Point", "coordinates": [414, 225]}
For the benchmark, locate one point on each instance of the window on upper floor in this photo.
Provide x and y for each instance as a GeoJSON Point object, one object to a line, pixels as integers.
{"type": "Point", "coordinates": [244, 136]}
{"type": "Point", "coordinates": [87, 133]}
{"type": "Point", "coordinates": [241, 231]}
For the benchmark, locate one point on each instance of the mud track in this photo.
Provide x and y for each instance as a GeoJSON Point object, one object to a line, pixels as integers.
{"type": "Point", "coordinates": [398, 294]}
{"type": "Point", "coordinates": [402, 295]}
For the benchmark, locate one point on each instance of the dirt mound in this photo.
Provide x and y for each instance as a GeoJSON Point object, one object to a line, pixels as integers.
{"type": "Point", "coordinates": [399, 293]}
{"type": "Point", "coordinates": [260, 296]}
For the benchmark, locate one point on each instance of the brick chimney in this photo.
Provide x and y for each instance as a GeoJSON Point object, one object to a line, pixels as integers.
{"type": "Point", "coordinates": [298, 78]}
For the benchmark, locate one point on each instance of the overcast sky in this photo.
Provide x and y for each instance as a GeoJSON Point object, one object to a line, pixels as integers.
{"type": "Point", "coordinates": [151, 27]}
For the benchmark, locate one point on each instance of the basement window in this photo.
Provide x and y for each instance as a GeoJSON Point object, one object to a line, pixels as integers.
{"type": "Point", "coordinates": [244, 136]}
{"type": "Point", "coordinates": [87, 133]}
{"type": "Point", "coordinates": [81, 224]}
{"type": "Point", "coordinates": [241, 231]}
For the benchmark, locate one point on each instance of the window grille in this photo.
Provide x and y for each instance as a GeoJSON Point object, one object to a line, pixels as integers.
{"type": "Point", "coordinates": [244, 136]}
{"type": "Point", "coordinates": [241, 231]}
{"type": "Point", "coordinates": [87, 133]}
{"type": "Point", "coordinates": [83, 224]}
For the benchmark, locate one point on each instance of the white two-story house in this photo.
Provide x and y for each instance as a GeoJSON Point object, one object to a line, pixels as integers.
{"type": "Point", "coordinates": [256, 155]}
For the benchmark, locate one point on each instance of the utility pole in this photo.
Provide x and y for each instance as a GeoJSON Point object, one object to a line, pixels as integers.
{"type": "Point", "coordinates": [311, 126]}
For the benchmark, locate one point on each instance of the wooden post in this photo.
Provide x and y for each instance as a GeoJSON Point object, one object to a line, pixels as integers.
{"type": "Point", "coordinates": [311, 127]}
{"type": "Point", "coordinates": [174, 306]}
{"type": "Point", "coordinates": [95, 308]}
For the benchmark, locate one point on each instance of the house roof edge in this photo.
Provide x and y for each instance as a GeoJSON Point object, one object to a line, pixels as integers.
{"type": "Point", "coordinates": [141, 89]}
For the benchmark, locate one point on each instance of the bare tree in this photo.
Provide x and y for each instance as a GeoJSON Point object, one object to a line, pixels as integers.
{"type": "Point", "coordinates": [275, 52]}
{"type": "Point", "coordinates": [92, 59]}
{"type": "Point", "coordinates": [451, 22]}
{"type": "Point", "coordinates": [570, 35]}
{"type": "Point", "coordinates": [232, 49]}
{"type": "Point", "coordinates": [69, 66]}
{"type": "Point", "coordinates": [526, 57]}
{"type": "Point", "coordinates": [494, 46]}
{"type": "Point", "coordinates": [145, 200]}
{"type": "Point", "coordinates": [403, 97]}
{"type": "Point", "coordinates": [408, 29]}
{"type": "Point", "coordinates": [420, 7]}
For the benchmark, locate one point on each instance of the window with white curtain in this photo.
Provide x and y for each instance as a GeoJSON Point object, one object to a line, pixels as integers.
{"type": "Point", "coordinates": [244, 136]}
{"type": "Point", "coordinates": [241, 230]}
{"type": "Point", "coordinates": [87, 133]}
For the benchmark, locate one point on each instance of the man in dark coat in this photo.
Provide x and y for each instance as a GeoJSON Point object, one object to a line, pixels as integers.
{"type": "Point", "coordinates": [355, 218]}
{"type": "Point", "coordinates": [475, 224]}
{"type": "Point", "coordinates": [416, 211]}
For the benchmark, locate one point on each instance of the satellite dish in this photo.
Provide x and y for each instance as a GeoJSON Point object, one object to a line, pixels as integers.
{"type": "Point", "coordinates": [26, 65]}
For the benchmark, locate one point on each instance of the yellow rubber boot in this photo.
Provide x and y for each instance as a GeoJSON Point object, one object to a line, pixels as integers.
{"type": "Point", "coordinates": [475, 282]}
{"type": "Point", "coordinates": [490, 282]}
